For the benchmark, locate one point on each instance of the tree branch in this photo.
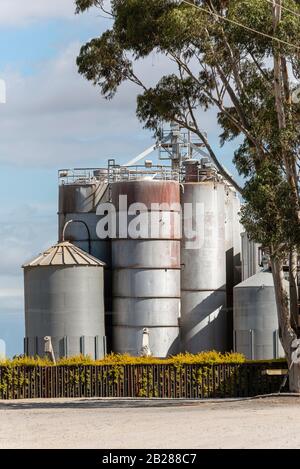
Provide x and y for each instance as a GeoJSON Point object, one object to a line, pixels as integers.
{"type": "Point", "coordinates": [219, 104]}
{"type": "Point", "coordinates": [212, 154]}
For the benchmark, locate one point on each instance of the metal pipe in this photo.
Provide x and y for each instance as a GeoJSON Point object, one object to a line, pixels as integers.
{"type": "Point", "coordinates": [77, 221]}
{"type": "Point", "coordinates": [251, 344]}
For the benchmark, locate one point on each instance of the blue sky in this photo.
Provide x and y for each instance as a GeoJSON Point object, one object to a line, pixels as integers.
{"type": "Point", "coordinates": [53, 119]}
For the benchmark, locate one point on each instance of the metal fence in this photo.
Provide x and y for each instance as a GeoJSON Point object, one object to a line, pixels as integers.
{"type": "Point", "coordinates": [162, 381]}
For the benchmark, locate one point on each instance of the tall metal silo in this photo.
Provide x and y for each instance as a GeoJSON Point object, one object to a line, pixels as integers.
{"type": "Point", "coordinates": [64, 300]}
{"type": "Point", "coordinates": [232, 252]}
{"type": "Point", "coordinates": [203, 279]}
{"type": "Point", "coordinates": [79, 196]}
{"type": "Point", "coordinates": [237, 241]}
{"type": "Point", "coordinates": [251, 253]}
{"type": "Point", "coordinates": [255, 318]}
{"type": "Point", "coordinates": [146, 268]}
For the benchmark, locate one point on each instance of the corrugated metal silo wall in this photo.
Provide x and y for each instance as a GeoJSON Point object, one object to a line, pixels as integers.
{"type": "Point", "coordinates": [256, 322]}
{"type": "Point", "coordinates": [250, 257]}
{"type": "Point", "coordinates": [79, 202]}
{"type": "Point", "coordinates": [66, 303]}
{"type": "Point", "coordinates": [203, 281]}
{"type": "Point", "coordinates": [146, 271]}
{"type": "Point", "coordinates": [237, 241]}
{"type": "Point", "coordinates": [233, 253]}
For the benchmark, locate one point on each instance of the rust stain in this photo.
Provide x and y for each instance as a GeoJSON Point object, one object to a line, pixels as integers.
{"type": "Point", "coordinates": [146, 192]}
{"type": "Point", "coordinates": [81, 198]}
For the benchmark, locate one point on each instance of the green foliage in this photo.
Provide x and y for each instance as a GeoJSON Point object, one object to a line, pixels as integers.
{"type": "Point", "coordinates": [118, 359]}
{"type": "Point", "coordinates": [102, 61]}
{"type": "Point", "coordinates": [23, 360]}
{"type": "Point", "coordinates": [83, 5]}
{"type": "Point", "coordinates": [170, 98]}
{"type": "Point", "coordinates": [184, 378]}
{"type": "Point", "coordinates": [206, 374]}
{"type": "Point", "coordinates": [268, 216]}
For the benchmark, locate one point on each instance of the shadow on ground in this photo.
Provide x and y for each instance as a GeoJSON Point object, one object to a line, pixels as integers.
{"type": "Point", "coordinates": [93, 403]}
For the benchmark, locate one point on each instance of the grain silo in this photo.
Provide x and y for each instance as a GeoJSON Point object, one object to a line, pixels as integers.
{"type": "Point", "coordinates": [203, 278]}
{"type": "Point", "coordinates": [255, 318]}
{"type": "Point", "coordinates": [232, 252]}
{"type": "Point", "coordinates": [64, 300]}
{"type": "Point", "coordinates": [251, 257]}
{"type": "Point", "coordinates": [80, 193]}
{"type": "Point", "coordinates": [237, 241]}
{"type": "Point", "coordinates": [146, 266]}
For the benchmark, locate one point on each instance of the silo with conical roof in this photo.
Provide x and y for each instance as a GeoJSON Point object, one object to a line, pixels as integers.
{"type": "Point", "coordinates": [64, 300]}
{"type": "Point", "coordinates": [256, 332]}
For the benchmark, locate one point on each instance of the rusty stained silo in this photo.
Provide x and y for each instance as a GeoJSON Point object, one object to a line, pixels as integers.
{"type": "Point", "coordinates": [64, 300]}
{"type": "Point", "coordinates": [146, 269]}
{"type": "Point", "coordinates": [203, 281]}
{"type": "Point", "coordinates": [79, 198]}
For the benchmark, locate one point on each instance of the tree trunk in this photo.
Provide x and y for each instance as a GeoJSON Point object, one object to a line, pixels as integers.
{"type": "Point", "coordinates": [282, 99]}
{"type": "Point", "coordinates": [287, 314]}
{"type": "Point", "coordinates": [294, 378]}
{"type": "Point", "coordinates": [293, 278]}
{"type": "Point", "coordinates": [286, 332]}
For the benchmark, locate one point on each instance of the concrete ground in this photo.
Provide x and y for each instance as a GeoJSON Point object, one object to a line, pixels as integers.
{"type": "Point", "coordinates": [272, 422]}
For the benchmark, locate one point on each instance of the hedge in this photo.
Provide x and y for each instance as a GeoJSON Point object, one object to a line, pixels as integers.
{"type": "Point", "coordinates": [205, 375]}
{"type": "Point", "coordinates": [126, 359]}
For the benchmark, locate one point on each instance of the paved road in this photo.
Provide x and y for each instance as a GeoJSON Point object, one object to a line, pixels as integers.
{"type": "Point", "coordinates": [104, 423]}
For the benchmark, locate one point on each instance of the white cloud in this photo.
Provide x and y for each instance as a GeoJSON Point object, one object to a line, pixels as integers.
{"type": "Point", "coordinates": [56, 118]}
{"type": "Point", "coordinates": [18, 12]}
{"type": "Point", "coordinates": [2, 92]}
{"type": "Point", "coordinates": [24, 232]}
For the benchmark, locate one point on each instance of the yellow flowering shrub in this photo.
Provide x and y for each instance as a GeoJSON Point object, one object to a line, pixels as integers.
{"type": "Point", "coordinates": [208, 357]}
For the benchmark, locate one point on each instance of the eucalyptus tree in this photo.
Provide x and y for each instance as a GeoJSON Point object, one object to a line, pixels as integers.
{"type": "Point", "coordinates": [243, 59]}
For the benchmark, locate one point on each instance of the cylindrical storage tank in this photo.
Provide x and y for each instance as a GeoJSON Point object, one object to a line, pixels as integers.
{"type": "Point", "coordinates": [64, 300]}
{"type": "Point", "coordinates": [250, 257]}
{"type": "Point", "coordinates": [203, 279]}
{"type": "Point", "coordinates": [78, 201]}
{"type": "Point", "coordinates": [232, 252]}
{"type": "Point", "coordinates": [255, 318]}
{"type": "Point", "coordinates": [146, 266]}
{"type": "Point", "coordinates": [229, 255]}
{"type": "Point", "coordinates": [237, 241]}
